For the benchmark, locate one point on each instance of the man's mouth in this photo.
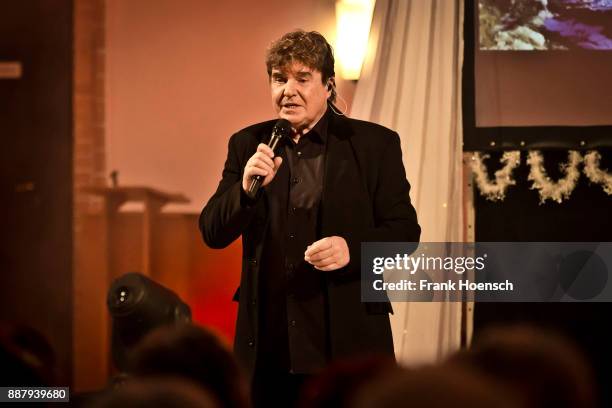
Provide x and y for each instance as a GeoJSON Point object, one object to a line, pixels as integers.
{"type": "Point", "coordinates": [291, 105]}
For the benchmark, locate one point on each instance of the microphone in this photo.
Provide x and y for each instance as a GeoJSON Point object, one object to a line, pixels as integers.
{"type": "Point", "coordinates": [281, 129]}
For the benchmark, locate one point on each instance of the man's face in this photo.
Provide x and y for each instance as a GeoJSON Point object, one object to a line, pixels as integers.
{"type": "Point", "coordinates": [298, 95]}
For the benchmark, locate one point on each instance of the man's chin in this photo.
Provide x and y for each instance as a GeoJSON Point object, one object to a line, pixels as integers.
{"type": "Point", "coordinates": [295, 120]}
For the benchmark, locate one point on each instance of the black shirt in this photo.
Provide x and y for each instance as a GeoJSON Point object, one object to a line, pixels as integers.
{"type": "Point", "coordinates": [292, 331]}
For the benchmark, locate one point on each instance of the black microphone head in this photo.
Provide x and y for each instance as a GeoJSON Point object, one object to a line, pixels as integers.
{"type": "Point", "coordinates": [282, 127]}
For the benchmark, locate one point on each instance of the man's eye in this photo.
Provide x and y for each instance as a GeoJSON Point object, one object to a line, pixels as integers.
{"type": "Point", "coordinates": [279, 80]}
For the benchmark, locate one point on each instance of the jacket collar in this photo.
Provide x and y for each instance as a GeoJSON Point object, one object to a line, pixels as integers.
{"type": "Point", "coordinates": [338, 125]}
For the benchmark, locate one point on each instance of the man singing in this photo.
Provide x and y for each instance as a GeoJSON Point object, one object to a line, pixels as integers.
{"type": "Point", "coordinates": [333, 184]}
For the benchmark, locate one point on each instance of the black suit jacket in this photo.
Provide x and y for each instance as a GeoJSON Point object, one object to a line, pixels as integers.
{"type": "Point", "coordinates": [365, 198]}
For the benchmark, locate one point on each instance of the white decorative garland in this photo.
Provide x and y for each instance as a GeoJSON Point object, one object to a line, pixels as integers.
{"type": "Point", "coordinates": [548, 189]}
{"type": "Point", "coordinates": [495, 191]}
{"type": "Point", "coordinates": [594, 173]}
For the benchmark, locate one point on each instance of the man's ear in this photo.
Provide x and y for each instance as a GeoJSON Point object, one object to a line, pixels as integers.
{"type": "Point", "coordinates": [331, 84]}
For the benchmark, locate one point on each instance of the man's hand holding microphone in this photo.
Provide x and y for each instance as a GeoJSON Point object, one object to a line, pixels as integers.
{"type": "Point", "coordinates": [262, 164]}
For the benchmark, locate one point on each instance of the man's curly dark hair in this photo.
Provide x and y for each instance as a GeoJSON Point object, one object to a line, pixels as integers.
{"type": "Point", "coordinates": [308, 47]}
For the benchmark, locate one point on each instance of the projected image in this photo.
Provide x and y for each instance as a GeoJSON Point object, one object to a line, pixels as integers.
{"type": "Point", "coordinates": [545, 24]}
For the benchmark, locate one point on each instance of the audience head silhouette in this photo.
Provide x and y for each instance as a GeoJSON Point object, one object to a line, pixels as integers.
{"type": "Point", "coordinates": [191, 352]}
{"type": "Point", "coordinates": [544, 368]}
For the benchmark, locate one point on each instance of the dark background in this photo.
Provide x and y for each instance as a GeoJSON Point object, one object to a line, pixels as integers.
{"type": "Point", "coordinates": [585, 217]}
{"type": "Point", "coordinates": [36, 172]}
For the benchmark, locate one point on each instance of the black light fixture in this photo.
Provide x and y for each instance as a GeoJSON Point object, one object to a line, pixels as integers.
{"type": "Point", "coordinates": [138, 305]}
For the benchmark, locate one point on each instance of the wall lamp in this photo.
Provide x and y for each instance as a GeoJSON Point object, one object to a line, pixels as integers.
{"type": "Point", "coordinates": [353, 19]}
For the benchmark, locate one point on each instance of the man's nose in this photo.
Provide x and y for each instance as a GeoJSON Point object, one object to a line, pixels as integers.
{"type": "Point", "coordinates": [290, 88]}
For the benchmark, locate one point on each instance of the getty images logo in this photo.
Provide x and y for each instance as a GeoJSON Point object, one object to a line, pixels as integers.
{"type": "Point", "coordinates": [414, 264]}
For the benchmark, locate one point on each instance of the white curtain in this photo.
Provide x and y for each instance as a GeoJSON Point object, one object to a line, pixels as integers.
{"type": "Point", "coordinates": [410, 82]}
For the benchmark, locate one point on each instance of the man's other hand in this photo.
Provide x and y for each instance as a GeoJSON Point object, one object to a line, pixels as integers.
{"type": "Point", "coordinates": [328, 254]}
{"type": "Point", "coordinates": [262, 163]}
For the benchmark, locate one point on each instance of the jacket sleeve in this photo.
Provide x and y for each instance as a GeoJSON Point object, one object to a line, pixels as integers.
{"type": "Point", "coordinates": [229, 211]}
{"type": "Point", "coordinates": [395, 218]}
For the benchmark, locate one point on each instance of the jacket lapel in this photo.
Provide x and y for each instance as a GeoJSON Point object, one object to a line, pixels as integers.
{"type": "Point", "coordinates": [341, 178]}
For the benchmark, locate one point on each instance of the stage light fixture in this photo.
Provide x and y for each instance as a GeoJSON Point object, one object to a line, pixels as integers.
{"type": "Point", "coordinates": [138, 305]}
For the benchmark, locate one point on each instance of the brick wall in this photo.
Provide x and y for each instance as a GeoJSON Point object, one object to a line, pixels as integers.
{"type": "Point", "coordinates": [89, 73]}
{"type": "Point", "coordinates": [90, 318]}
